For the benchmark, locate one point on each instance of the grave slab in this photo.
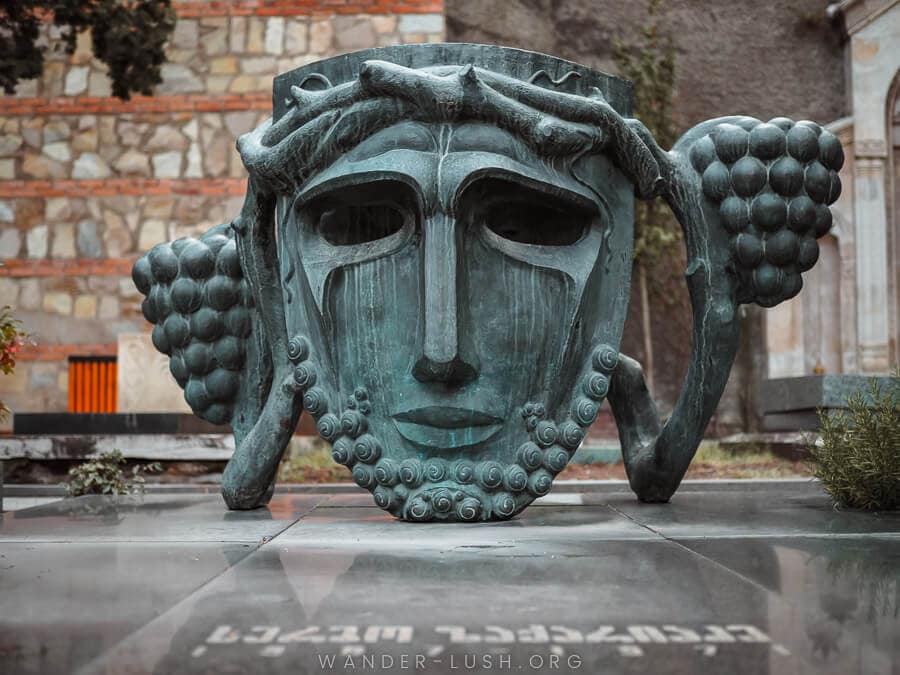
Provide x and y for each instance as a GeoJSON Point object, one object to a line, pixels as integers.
{"type": "Point", "coordinates": [760, 578]}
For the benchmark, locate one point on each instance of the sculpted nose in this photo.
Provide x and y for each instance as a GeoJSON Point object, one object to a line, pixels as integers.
{"type": "Point", "coordinates": [441, 358]}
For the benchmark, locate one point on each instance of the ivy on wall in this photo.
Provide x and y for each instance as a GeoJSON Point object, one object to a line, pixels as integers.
{"type": "Point", "coordinates": [649, 63]}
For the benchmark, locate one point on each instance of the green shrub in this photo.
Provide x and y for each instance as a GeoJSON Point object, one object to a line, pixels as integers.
{"type": "Point", "coordinates": [105, 476]}
{"type": "Point", "coordinates": [858, 455]}
{"type": "Point", "coordinates": [11, 340]}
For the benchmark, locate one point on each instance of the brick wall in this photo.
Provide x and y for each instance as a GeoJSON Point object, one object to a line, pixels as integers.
{"type": "Point", "coordinates": [88, 182]}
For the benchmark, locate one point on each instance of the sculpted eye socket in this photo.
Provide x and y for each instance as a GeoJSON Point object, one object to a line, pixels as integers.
{"type": "Point", "coordinates": [526, 215]}
{"type": "Point", "coordinates": [535, 224]}
{"type": "Point", "coordinates": [360, 213]}
{"type": "Point", "coordinates": [349, 225]}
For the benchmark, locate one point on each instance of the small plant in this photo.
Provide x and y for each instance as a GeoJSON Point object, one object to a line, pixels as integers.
{"type": "Point", "coordinates": [11, 340]}
{"type": "Point", "coordinates": [105, 476]}
{"type": "Point", "coordinates": [858, 455]}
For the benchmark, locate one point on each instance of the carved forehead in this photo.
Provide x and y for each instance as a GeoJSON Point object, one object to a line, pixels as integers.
{"type": "Point", "coordinates": [441, 139]}
{"type": "Point", "coordinates": [440, 157]}
{"type": "Point", "coordinates": [321, 125]}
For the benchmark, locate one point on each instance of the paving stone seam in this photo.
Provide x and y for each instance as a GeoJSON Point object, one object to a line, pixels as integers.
{"type": "Point", "coordinates": [692, 552]}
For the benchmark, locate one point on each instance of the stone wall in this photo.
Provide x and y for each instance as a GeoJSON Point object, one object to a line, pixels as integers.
{"type": "Point", "coordinates": [761, 59]}
{"type": "Point", "coordinates": [88, 182]}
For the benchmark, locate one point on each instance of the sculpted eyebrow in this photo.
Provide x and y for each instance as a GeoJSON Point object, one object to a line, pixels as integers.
{"type": "Point", "coordinates": [481, 187]}
{"type": "Point", "coordinates": [363, 181]}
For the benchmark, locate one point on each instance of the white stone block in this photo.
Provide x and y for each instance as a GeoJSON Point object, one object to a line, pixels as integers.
{"type": "Point", "coordinates": [274, 40]}
{"type": "Point", "coordinates": [36, 241]}
{"type": "Point", "coordinates": [167, 165]}
{"type": "Point", "coordinates": [76, 81]}
{"type": "Point", "coordinates": [421, 23]}
{"type": "Point", "coordinates": [145, 383]}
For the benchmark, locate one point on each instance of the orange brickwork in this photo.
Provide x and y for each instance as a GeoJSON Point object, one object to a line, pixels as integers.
{"type": "Point", "coordinates": [105, 187]}
{"type": "Point", "coordinates": [100, 105]}
{"type": "Point", "coordinates": [201, 8]}
{"type": "Point", "coordinates": [61, 352]}
{"type": "Point", "coordinates": [67, 268]}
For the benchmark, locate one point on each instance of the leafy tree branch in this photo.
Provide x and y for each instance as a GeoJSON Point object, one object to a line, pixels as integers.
{"type": "Point", "coordinates": [129, 36]}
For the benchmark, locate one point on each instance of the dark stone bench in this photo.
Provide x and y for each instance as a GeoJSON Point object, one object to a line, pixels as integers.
{"type": "Point", "coordinates": [790, 403]}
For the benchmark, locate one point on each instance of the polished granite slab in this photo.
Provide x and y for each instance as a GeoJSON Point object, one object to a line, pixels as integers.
{"type": "Point", "coordinates": [153, 517]}
{"type": "Point", "coordinates": [764, 579]}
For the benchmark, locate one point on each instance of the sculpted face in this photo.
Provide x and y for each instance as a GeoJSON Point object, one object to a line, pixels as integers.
{"type": "Point", "coordinates": [433, 260]}
{"type": "Point", "coordinates": [456, 280]}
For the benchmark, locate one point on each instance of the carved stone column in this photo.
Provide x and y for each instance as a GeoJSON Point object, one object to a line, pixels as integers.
{"type": "Point", "coordinates": [870, 211]}
{"type": "Point", "coordinates": [874, 29]}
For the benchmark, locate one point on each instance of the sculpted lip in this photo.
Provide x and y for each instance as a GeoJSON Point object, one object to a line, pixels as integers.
{"type": "Point", "coordinates": [444, 417]}
{"type": "Point", "coordinates": [443, 427]}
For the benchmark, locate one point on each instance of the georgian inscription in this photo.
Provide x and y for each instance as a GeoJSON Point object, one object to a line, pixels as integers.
{"type": "Point", "coordinates": [466, 647]}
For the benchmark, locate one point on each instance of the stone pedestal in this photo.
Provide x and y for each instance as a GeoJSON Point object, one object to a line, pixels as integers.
{"type": "Point", "coordinates": [791, 403]}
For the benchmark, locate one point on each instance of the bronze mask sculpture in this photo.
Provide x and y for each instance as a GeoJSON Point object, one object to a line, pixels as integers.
{"type": "Point", "coordinates": [433, 260]}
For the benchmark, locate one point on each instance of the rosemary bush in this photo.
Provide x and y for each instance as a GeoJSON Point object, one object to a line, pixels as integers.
{"type": "Point", "coordinates": [105, 476]}
{"type": "Point", "coordinates": [858, 456]}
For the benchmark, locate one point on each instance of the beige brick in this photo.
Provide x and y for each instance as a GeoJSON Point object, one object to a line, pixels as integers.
{"type": "Point", "coordinates": [260, 65]}
{"type": "Point", "coordinates": [109, 308]}
{"type": "Point", "coordinates": [85, 141]}
{"type": "Point", "coordinates": [237, 34]}
{"type": "Point", "coordinates": [58, 303]}
{"type": "Point", "coordinates": [30, 294]}
{"type": "Point", "coordinates": [63, 245]}
{"type": "Point", "coordinates": [9, 291]}
{"type": "Point", "coordinates": [7, 169]}
{"type": "Point", "coordinates": [153, 232]}
{"type": "Point", "coordinates": [353, 32]}
{"type": "Point", "coordinates": [296, 36]}
{"type": "Point", "coordinates": [57, 208]}
{"type": "Point", "coordinates": [384, 24]}
{"type": "Point", "coordinates": [86, 307]}
{"type": "Point", "coordinates": [16, 381]}
{"type": "Point", "coordinates": [83, 49]}
{"type": "Point", "coordinates": [245, 83]}
{"type": "Point", "coordinates": [256, 30]}
{"type": "Point", "coordinates": [217, 84]}
{"type": "Point", "coordinates": [321, 36]}
{"type": "Point", "coordinates": [224, 65]}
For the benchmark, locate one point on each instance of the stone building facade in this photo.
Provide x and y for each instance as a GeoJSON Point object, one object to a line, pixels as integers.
{"type": "Point", "coordinates": [88, 182]}
{"type": "Point", "coordinates": [848, 320]}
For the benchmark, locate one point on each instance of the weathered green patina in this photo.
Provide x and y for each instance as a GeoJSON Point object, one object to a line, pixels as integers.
{"type": "Point", "coordinates": [433, 260]}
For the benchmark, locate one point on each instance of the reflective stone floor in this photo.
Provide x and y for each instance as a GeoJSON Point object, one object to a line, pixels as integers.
{"type": "Point", "coordinates": [765, 578]}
